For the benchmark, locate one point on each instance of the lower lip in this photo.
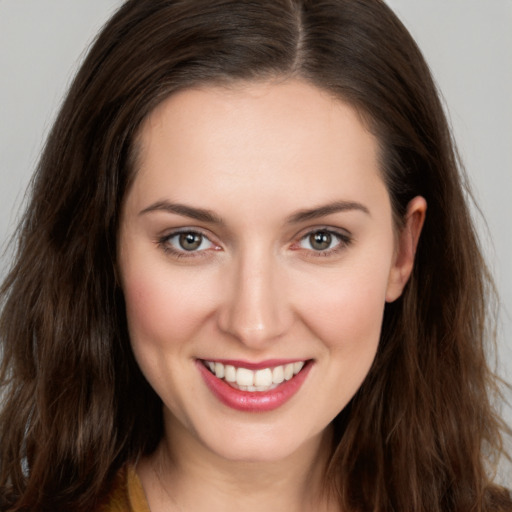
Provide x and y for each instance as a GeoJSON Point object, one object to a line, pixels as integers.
{"type": "Point", "coordinates": [257, 401]}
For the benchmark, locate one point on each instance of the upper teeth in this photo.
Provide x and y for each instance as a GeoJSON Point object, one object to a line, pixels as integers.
{"type": "Point", "coordinates": [255, 380]}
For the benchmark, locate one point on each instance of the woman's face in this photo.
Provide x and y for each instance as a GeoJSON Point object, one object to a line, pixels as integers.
{"type": "Point", "coordinates": [257, 251]}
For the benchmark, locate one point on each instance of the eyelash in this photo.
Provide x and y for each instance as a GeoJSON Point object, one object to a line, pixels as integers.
{"type": "Point", "coordinates": [164, 243]}
{"type": "Point", "coordinates": [344, 240]}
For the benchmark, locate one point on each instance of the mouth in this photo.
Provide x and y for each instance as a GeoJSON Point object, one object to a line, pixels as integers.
{"type": "Point", "coordinates": [253, 387]}
{"type": "Point", "coordinates": [260, 380]}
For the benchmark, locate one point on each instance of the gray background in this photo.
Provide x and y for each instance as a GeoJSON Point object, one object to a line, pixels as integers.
{"type": "Point", "coordinates": [468, 44]}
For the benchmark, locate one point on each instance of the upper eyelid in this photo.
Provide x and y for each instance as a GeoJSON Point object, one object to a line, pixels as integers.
{"type": "Point", "coordinates": [169, 233]}
{"type": "Point", "coordinates": [341, 232]}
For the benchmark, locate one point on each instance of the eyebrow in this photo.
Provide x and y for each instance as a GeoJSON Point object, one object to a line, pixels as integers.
{"type": "Point", "coordinates": [199, 214]}
{"type": "Point", "coordinates": [210, 217]}
{"type": "Point", "coordinates": [328, 209]}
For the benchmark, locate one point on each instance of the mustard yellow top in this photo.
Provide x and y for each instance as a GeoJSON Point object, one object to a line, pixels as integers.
{"type": "Point", "coordinates": [127, 494]}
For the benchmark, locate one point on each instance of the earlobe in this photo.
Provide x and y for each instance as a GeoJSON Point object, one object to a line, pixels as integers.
{"type": "Point", "coordinates": [407, 243]}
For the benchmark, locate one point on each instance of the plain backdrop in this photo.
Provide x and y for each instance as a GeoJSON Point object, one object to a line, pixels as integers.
{"type": "Point", "coordinates": [468, 44]}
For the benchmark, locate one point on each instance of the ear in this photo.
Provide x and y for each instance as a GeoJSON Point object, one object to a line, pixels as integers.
{"type": "Point", "coordinates": [407, 241]}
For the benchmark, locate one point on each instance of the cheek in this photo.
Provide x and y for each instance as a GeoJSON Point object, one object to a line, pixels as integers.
{"type": "Point", "coordinates": [345, 308]}
{"type": "Point", "coordinates": [163, 308]}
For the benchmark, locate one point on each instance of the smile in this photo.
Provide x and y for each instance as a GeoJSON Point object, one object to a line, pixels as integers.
{"type": "Point", "coordinates": [260, 380]}
{"type": "Point", "coordinates": [263, 387]}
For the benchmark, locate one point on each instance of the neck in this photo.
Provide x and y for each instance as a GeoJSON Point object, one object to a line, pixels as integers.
{"type": "Point", "coordinates": [183, 474]}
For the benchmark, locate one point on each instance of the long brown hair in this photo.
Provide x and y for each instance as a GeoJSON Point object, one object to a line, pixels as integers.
{"type": "Point", "coordinates": [420, 435]}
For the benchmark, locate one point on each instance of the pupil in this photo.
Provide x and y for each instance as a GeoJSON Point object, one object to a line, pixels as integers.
{"type": "Point", "coordinates": [190, 241]}
{"type": "Point", "coordinates": [320, 240]}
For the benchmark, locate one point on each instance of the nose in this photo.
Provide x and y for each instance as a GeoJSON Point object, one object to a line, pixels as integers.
{"type": "Point", "coordinates": [255, 309]}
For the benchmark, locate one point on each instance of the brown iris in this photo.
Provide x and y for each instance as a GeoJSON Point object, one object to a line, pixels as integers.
{"type": "Point", "coordinates": [190, 241]}
{"type": "Point", "coordinates": [320, 240]}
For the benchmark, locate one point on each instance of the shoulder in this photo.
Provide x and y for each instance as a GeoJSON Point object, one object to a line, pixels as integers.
{"type": "Point", "coordinates": [126, 494]}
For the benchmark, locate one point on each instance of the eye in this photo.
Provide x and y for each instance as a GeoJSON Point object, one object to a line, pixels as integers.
{"type": "Point", "coordinates": [186, 242]}
{"type": "Point", "coordinates": [324, 241]}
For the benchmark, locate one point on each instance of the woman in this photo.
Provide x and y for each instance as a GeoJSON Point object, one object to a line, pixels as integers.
{"type": "Point", "coordinates": [248, 276]}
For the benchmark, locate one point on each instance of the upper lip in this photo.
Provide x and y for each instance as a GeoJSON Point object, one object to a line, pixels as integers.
{"type": "Point", "coordinates": [255, 365]}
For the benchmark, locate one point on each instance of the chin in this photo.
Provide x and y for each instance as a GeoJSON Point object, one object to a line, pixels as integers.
{"type": "Point", "coordinates": [260, 445]}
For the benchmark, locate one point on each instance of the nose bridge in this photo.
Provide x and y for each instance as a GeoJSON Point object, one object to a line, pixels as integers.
{"type": "Point", "coordinates": [255, 310]}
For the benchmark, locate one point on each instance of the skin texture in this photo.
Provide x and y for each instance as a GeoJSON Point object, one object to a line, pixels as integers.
{"type": "Point", "coordinates": [255, 155]}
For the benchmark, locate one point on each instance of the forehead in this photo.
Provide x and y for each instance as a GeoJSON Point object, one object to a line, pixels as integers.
{"type": "Point", "coordinates": [286, 140]}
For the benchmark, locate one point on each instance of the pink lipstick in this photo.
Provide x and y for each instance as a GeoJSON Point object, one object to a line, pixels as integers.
{"type": "Point", "coordinates": [254, 387]}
